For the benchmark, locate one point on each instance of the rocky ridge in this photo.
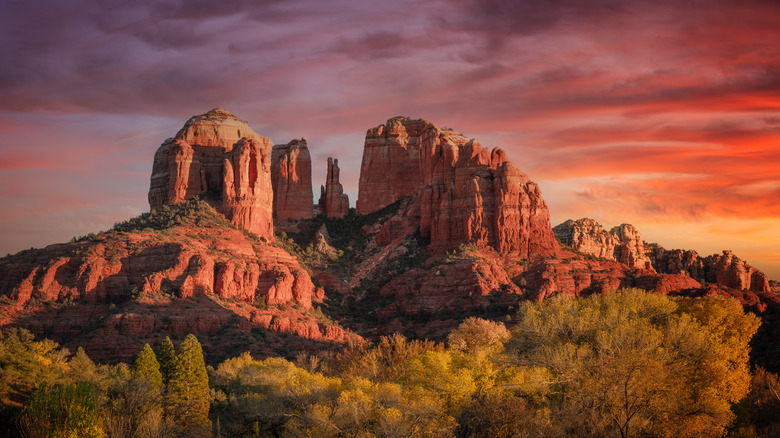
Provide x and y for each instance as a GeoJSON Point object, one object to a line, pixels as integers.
{"type": "Point", "coordinates": [158, 262]}
{"type": "Point", "coordinates": [624, 244]}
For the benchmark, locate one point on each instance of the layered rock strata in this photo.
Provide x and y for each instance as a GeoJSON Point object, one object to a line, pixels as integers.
{"type": "Point", "coordinates": [464, 192]}
{"type": "Point", "coordinates": [219, 155]}
{"type": "Point", "coordinates": [291, 180]}
{"type": "Point", "coordinates": [623, 243]}
{"type": "Point", "coordinates": [334, 203]}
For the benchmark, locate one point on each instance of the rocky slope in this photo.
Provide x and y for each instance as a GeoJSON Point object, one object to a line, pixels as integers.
{"type": "Point", "coordinates": [183, 269]}
{"type": "Point", "coordinates": [219, 154]}
{"type": "Point", "coordinates": [291, 180]}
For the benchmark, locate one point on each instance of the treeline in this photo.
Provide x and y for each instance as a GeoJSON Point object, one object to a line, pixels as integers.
{"type": "Point", "coordinates": [624, 364]}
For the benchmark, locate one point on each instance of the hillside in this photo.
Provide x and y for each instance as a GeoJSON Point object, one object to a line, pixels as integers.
{"type": "Point", "coordinates": [444, 229]}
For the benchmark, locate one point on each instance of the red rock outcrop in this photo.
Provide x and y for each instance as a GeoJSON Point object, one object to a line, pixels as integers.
{"type": "Point", "coordinates": [291, 180]}
{"type": "Point", "coordinates": [586, 236]}
{"type": "Point", "coordinates": [218, 154]}
{"type": "Point", "coordinates": [725, 269]}
{"type": "Point", "coordinates": [631, 248]}
{"type": "Point", "coordinates": [334, 203]}
{"type": "Point", "coordinates": [623, 243]}
{"type": "Point", "coordinates": [464, 192]}
{"type": "Point", "coordinates": [206, 279]}
{"type": "Point", "coordinates": [391, 168]}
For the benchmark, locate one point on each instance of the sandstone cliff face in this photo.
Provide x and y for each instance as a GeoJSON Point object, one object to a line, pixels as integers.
{"type": "Point", "coordinates": [218, 154]}
{"type": "Point", "coordinates": [291, 180]}
{"type": "Point", "coordinates": [622, 243]}
{"type": "Point", "coordinates": [587, 236]}
{"type": "Point", "coordinates": [334, 203]}
{"type": "Point", "coordinates": [464, 192]}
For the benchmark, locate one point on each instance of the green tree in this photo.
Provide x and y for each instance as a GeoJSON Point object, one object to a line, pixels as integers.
{"type": "Point", "coordinates": [166, 357]}
{"type": "Point", "coordinates": [26, 364]}
{"type": "Point", "coordinates": [81, 367]}
{"type": "Point", "coordinates": [188, 389]}
{"type": "Point", "coordinates": [146, 366]}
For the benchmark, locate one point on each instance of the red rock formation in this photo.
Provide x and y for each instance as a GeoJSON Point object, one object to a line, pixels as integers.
{"type": "Point", "coordinates": [622, 243]}
{"type": "Point", "coordinates": [391, 162]}
{"type": "Point", "coordinates": [586, 236]}
{"type": "Point", "coordinates": [334, 203]}
{"type": "Point", "coordinates": [730, 271]}
{"type": "Point", "coordinates": [213, 277]}
{"type": "Point", "coordinates": [291, 179]}
{"type": "Point", "coordinates": [219, 154]}
{"type": "Point", "coordinates": [630, 249]}
{"type": "Point", "coordinates": [464, 193]}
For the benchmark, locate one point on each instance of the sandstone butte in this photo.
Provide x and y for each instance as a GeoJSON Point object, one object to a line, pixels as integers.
{"type": "Point", "coordinates": [463, 192]}
{"type": "Point", "coordinates": [291, 180]}
{"type": "Point", "coordinates": [217, 153]}
{"type": "Point", "coordinates": [334, 203]}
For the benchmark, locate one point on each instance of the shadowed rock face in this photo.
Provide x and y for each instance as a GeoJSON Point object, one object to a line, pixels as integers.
{"type": "Point", "coordinates": [464, 192]}
{"type": "Point", "coordinates": [219, 154]}
{"type": "Point", "coordinates": [334, 203]}
{"type": "Point", "coordinates": [291, 179]}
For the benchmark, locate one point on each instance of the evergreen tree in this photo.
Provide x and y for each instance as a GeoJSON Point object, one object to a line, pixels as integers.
{"type": "Point", "coordinates": [146, 366]}
{"type": "Point", "coordinates": [81, 367]}
{"type": "Point", "coordinates": [166, 356]}
{"type": "Point", "coordinates": [188, 389]}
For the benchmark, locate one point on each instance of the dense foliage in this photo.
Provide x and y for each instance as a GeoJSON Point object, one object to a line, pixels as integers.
{"type": "Point", "coordinates": [624, 364]}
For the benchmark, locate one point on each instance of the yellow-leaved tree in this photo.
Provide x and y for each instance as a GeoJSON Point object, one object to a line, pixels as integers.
{"type": "Point", "coordinates": [630, 363]}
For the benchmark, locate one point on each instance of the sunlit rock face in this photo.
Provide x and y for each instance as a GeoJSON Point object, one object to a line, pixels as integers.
{"type": "Point", "coordinates": [219, 155]}
{"type": "Point", "coordinates": [291, 179]}
{"type": "Point", "coordinates": [334, 203]}
{"type": "Point", "coordinates": [622, 243]}
{"type": "Point", "coordinates": [464, 192]}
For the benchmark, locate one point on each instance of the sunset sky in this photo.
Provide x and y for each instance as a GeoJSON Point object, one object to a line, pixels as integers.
{"type": "Point", "coordinates": [664, 114]}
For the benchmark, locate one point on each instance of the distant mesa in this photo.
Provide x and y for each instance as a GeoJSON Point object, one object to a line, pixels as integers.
{"type": "Point", "coordinates": [218, 154]}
